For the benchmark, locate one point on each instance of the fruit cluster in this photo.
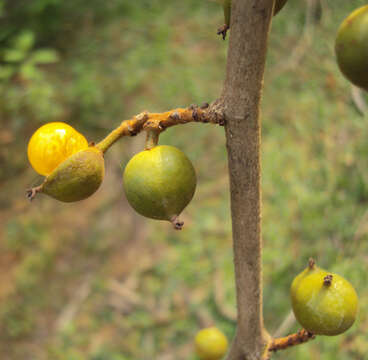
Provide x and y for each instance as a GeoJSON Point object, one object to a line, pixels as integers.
{"type": "Point", "coordinates": [159, 182]}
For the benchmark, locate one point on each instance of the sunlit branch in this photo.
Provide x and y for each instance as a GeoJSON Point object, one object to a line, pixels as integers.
{"type": "Point", "coordinates": [300, 337]}
{"type": "Point", "coordinates": [160, 121]}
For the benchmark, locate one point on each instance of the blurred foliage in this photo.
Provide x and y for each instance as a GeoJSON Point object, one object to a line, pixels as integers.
{"type": "Point", "coordinates": [94, 280]}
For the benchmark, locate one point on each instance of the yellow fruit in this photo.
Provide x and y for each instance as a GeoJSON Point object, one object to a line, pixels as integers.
{"type": "Point", "coordinates": [352, 47]}
{"type": "Point", "coordinates": [159, 182]}
{"type": "Point", "coordinates": [211, 344]}
{"type": "Point", "coordinates": [324, 303]}
{"type": "Point", "coordinates": [51, 144]}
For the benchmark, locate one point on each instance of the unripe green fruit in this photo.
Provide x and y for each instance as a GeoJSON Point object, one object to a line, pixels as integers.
{"type": "Point", "coordinates": [76, 178]}
{"type": "Point", "coordinates": [323, 303]}
{"type": "Point", "coordinates": [279, 5]}
{"type": "Point", "coordinates": [160, 182]}
{"type": "Point", "coordinates": [352, 47]}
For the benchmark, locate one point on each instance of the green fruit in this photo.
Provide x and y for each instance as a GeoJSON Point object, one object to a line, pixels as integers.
{"type": "Point", "coordinates": [76, 178]}
{"type": "Point", "coordinates": [279, 5]}
{"type": "Point", "coordinates": [227, 11]}
{"type": "Point", "coordinates": [352, 47]}
{"type": "Point", "coordinates": [160, 182]}
{"type": "Point", "coordinates": [323, 303]}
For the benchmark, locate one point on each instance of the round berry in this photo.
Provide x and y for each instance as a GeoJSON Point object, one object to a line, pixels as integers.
{"type": "Point", "coordinates": [210, 344]}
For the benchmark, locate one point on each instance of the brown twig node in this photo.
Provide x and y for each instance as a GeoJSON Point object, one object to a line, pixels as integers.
{"type": "Point", "coordinates": [175, 116]}
{"type": "Point", "coordinates": [195, 115]}
{"type": "Point", "coordinates": [222, 30]}
{"type": "Point", "coordinates": [327, 280]}
{"type": "Point", "coordinates": [300, 337]}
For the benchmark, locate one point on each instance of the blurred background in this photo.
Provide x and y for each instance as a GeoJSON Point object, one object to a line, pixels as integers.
{"type": "Point", "coordinates": [94, 280]}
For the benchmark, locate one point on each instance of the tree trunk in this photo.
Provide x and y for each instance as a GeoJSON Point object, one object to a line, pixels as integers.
{"type": "Point", "coordinates": [250, 24]}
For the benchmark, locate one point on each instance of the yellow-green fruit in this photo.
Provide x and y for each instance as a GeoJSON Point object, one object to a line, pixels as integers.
{"type": "Point", "coordinates": [211, 344]}
{"type": "Point", "coordinates": [324, 303]}
{"type": "Point", "coordinates": [279, 5]}
{"type": "Point", "coordinates": [76, 178]}
{"type": "Point", "coordinates": [352, 47]}
{"type": "Point", "coordinates": [160, 182]}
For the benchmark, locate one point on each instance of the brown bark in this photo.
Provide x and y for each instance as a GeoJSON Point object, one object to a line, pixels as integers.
{"type": "Point", "coordinates": [250, 24]}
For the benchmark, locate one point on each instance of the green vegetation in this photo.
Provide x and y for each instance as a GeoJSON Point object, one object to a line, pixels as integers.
{"type": "Point", "coordinates": [95, 281]}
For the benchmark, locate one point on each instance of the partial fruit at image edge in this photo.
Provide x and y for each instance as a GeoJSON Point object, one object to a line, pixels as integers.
{"type": "Point", "coordinates": [73, 170]}
{"type": "Point", "coordinates": [227, 9]}
{"type": "Point", "coordinates": [159, 182]}
{"type": "Point", "coordinates": [324, 303]}
{"type": "Point", "coordinates": [279, 5]}
{"type": "Point", "coordinates": [351, 47]}
{"type": "Point", "coordinates": [210, 344]}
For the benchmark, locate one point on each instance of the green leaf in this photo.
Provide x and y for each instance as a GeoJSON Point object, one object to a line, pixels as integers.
{"type": "Point", "coordinates": [14, 55]}
{"type": "Point", "coordinates": [6, 72]}
{"type": "Point", "coordinates": [25, 41]}
{"type": "Point", "coordinates": [45, 56]}
{"type": "Point", "coordinates": [29, 71]}
{"type": "Point", "coordinates": [2, 5]}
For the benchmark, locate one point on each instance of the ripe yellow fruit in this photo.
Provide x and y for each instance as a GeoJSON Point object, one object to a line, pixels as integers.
{"type": "Point", "coordinates": [210, 344]}
{"type": "Point", "coordinates": [159, 182]}
{"type": "Point", "coordinates": [351, 47]}
{"type": "Point", "coordinates": [53, 143]}
{"type": "Point", "coordinates": [324, 303]}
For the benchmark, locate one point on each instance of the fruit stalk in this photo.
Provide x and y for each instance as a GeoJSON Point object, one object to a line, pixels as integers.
{"type": "Point", "coordinates": [126, 128]}
{"type": "Point", "coordinates": [251, 21]}
{"type": "Point", "coordinates": [151, 139]}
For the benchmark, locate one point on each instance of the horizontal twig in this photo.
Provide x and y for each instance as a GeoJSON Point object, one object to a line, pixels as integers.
{"type": "Point", "coordinates": [300, 337]}
{"type": "Point", "coordinates": [161, 121]}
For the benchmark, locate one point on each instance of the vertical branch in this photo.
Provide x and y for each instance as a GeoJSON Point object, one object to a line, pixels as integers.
{"type": "Point", "coordinates": [250, 24]}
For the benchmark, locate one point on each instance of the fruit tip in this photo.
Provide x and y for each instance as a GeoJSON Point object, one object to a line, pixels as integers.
{"type": "Point", "coordinates": [177, 223]}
